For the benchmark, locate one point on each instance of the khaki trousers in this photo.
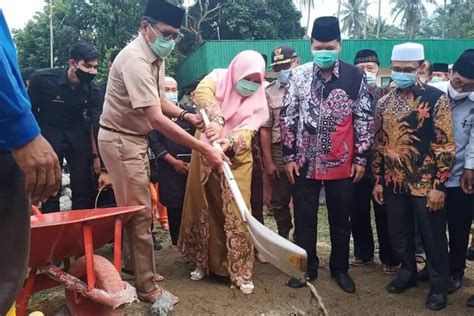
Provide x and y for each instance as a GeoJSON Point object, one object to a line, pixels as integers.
{"type": "Point", "coordinates": [126, 160]}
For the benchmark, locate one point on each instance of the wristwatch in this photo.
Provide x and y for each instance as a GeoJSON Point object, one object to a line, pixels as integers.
{"type": "Point", "coordinates": [219, 120]}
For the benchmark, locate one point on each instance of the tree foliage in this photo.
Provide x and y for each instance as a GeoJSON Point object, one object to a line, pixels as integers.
{"type": "Point", "coordinates": [111, 24]}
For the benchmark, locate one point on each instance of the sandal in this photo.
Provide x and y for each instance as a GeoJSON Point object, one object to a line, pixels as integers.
{"type": "Point", "coordinates": [247, 287]}
{"type": "Point", "coordinates": [389, 270]}
{"type": "Point", "coordinates": [159, 277]}
{"type": "Point", "coordinates": [356, 262]}
{"type": "Point", "coordinates": [151, 298]}
{"type": "Point", "coordinates": [420, 259]}
{"type": "Point", "coordinates": [198, 274]}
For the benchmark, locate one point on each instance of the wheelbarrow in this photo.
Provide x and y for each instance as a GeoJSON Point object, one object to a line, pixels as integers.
{"type": "Point", "coordinates": [92, 283]}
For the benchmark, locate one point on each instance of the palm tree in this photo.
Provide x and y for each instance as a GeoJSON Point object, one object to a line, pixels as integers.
{"type": "Point", "coordinates": [338, 8]}
{"type": "Point", "coordinates": [412, 11]}
{"type": "Point", "coordinates": [379, 19]}
{"type": "Point", "coordinates": [309, 4]}
{"type": "Point", "coordinates": [353, 17]}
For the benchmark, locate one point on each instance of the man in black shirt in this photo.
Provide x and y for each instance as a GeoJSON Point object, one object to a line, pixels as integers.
{"type": "Point", "coordinates": [64, 101]}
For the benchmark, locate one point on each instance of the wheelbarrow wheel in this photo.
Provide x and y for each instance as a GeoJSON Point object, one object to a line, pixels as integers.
{"type": "Point", "coordinates": [107, 279]}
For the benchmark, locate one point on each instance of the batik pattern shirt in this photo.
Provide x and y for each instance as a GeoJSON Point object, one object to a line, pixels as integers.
{"type": "Point", "coordinates": [323, 128]}
{"type": "Point", "coordinates": [414, 144]}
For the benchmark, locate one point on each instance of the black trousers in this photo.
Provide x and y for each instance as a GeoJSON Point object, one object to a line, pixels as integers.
{"type": "Point", "coordinates": [362, 229]}
{"type": "Point", "coordinates": [402, 210]}
{"type": "Point", "coordinates": [15, 209]}
{"type": "Point", "coordinates": [174, 221]}
{"type": "Point", "coordinates": [459, 206]}
{"type": "Point", "coordinates": [82, 185]}
{"type": "Point", "coordinates": [339, 197]}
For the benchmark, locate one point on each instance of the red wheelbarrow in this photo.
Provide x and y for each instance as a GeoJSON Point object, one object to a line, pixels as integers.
{"type": "Point", "coordinates": [92, 283]}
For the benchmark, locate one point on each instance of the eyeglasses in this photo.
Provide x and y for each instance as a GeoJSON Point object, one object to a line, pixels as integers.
{"type": "Point", "coordinates": [167, 35]}
{"type": "Point", "coordinates": [457, 84]}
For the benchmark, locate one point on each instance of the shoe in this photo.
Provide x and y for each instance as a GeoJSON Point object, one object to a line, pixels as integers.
{"type": "Point", "coordinates": [398, 286]}
{"type": "Point", "coordinates": [356, 262]}
{"type": "Point", "coordinates": [470, 253]}
{"type": "Point", "coordinates": [389, 270]}
{"type": "Point", "coordinates": [247, 287]}
{"type": "Point", "coordinates": [436, 301]}
{"type": "Point", "coordinates": [198, 274]}
{"type": "Point", "coordinates": [423, 275]}
{"type": "Point", "coordinates": [345, 282]}
{"type": "Point", "coordinates": [295, 283]}
{"type": "Point", "coordinates": [454, 285]}
{"type": "Point", "coordinates": [157, 245]}
{"type": "Point", "coordinates": [470, 301]}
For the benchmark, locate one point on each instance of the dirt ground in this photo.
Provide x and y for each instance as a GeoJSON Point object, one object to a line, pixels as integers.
{"type": "Point", "coordinates": [271, 296]}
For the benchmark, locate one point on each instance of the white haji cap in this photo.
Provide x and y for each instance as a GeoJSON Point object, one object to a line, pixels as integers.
{"type": "Point", "coordinates": [408, 52]}
{"type": "Point", "coordinates": [170, 80]}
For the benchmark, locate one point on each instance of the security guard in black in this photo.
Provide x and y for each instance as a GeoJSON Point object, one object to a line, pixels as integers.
{"type": "Point", "coordinates": [65, 103]}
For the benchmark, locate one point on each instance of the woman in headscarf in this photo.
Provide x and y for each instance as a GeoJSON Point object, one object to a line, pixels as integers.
{"type": "Point", "coordinates": [213, 233]}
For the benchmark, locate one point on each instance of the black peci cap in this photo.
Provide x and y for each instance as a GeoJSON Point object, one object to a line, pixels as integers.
{"type": "Point", "coordinates": [326, 29]}
{"type": "Point", "coordinates": [165, 12]}
{"type": "Point", "coordinates": [366, 56]}
{"type": "Point", "coordinates": [440, 67]}
{"type": "Point", "coordinates": [465, 64]}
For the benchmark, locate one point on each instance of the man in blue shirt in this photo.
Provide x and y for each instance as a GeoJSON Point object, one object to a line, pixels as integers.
{"type": "Point", "coordinates": [29, 166]}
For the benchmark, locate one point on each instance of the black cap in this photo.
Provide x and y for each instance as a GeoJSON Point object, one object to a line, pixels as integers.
{"type": "Point", "coordinates": [165, 12]}
{"type": "Point", "coordinates": [283, 55]}
{"type": "Point", "coordinates": [465, 64]}
{"type": "Point", "coordinates": [440, 67]}
{"type": "Point", "coordinates": [366, 56]}
{"type": "Point", "coordinates": [326, 29]}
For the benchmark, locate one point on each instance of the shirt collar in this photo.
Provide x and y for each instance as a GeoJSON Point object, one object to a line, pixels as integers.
{"type": "Point", "coordinates": [335, 70]}
{"type": "Point", "coordinates": [149, 54]}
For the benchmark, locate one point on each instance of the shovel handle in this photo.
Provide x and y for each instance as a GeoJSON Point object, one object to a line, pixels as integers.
{"type": "Point", "coordinates": [239, 200]}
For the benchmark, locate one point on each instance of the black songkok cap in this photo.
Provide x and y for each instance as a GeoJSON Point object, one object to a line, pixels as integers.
{"type": "Point", "coordinates": [366, 56]}
{"type": "Point", "coordinates": [465, 64]}
{"type": "Point", "coordinates": [440, 67]}
{"type": "Point", "coordinates": [165, 12]}
{"type": "Point", "coordinates": [326, 29]}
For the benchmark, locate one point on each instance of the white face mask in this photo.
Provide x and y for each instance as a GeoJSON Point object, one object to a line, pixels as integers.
{"type": "Point", "coordinates": [371, 77]}
{"type": "Point", "coordinates": [456, 95]}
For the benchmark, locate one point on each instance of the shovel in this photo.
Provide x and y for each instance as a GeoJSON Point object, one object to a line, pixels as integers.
{"type": "Point", "coordinates": [280, 252]}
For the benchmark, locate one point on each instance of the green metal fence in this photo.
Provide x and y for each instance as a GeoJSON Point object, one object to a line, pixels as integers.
{"type": "Point", "coordinates": [218, 54]}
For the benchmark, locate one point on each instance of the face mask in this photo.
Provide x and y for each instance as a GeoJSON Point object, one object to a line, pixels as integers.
{"type": "Point", "coordinates": [172, 96]}
{"type": "Point", "coordinates": [246, 87]}
{"type": "Point", "coordinates": [403, 80]}
{"type": "Point", "coordinates": [371, 77]}
{"type": "Point", "coordinates": [161, 46]}
{"type": "Point", "coordinates": [84, 77]}
{"type": "Point", "coordinates": [283, 76]}
{"type": "Point", "coordinates": [436, 79]}
{"type": "Point", "coordinates": [456, 95]}
{"type": "Point", "coordinates": [325, 59]}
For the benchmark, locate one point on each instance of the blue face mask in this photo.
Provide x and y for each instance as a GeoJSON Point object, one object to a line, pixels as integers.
{"type": "Point", "coordinates": [436, 79]}
{"type": "Point", "coordinates": [403, 80]}
{"type": "Point", "coordinates": [246, 87]}
{"type": "Point", "coordinates": [283, 76]}
{"type": "Point", "coordinates": [172, 96]}
{"type": "Point", "coordinates": [325, 59]}
{"type": "Point", "coordinates": [371, 77]}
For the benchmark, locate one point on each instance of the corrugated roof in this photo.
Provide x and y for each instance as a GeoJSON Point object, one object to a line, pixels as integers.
{"type": "Point", "coordinates": [218, 54]}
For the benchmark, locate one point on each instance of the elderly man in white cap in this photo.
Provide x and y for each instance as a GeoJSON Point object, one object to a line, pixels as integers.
{"type": "Point", "coordinates": [413, 156]}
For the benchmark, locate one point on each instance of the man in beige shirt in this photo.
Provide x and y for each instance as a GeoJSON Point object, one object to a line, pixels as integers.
{"type": "Point", "coordinates": [284, 58]}
{"type": "Point", "coordinates": [133, 106]}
